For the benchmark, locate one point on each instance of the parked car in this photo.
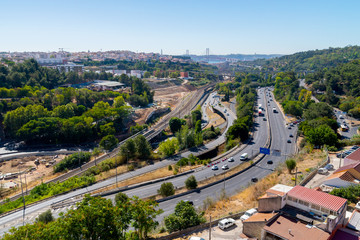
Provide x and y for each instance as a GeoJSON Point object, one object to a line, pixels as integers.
{"type": "Point", "coordinates": [322, 171]}
{"type": "Point", "coordinates": [341, 155]}
{"type": "Point", "coordinates": [264, 119]}
{"type": "Point", "coordinates": [269, 162]}
{"type": "Point", "coordinates": [196, 238]}
{"type": "Point", "coordinates": [329, 167]}
{"type": "Point", "coordinates": [248, 214]}
{"type": "Point", "coordinates": [231, 159]}
{"type": "Point", "coordinates": [226, 223]}
{"type": "Point", "coordinates": [214, 167]}
{"type": "Point", "coordinates": [355, 147]}
{"type": "Point", "coordinates": [225, 167]}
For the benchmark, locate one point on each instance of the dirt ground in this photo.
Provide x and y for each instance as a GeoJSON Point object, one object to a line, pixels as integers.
{"type": "Point", "coordinates": [33, 176]}
{"type": "Point", "coordinates": [214, 118]}
{"type": "Point", "coordinates": [166, 95]}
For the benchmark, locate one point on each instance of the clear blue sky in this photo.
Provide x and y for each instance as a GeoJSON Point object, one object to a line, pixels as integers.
{"type": "Point", "coordinates": [239, 26]}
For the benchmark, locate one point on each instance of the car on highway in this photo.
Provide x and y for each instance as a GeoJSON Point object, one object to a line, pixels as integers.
{"type": "Point", "coordinates": [270, 162]}
{"type": "Point", "coordinates": [248, 214]}
{"type": "Point", "coordinates": [225, 167]}
{"type": "Point", "coordinates": [214, 167]}
{"type": "Point", "coordinates": [289, 127]}
{"type": "Point", "coordinates": [226, 223]}
{"type": "Point", "coordinates": [288, 141]}
{"type": "Point", "coordinates": [264, 119]}
{"type": "Point", "coordinates": [254, 179]}
{"type": "Point", "coordinates": [189, 202]}
{"type": "Point", "coordinates": [244, 156]}
{"type": "Point", "coordinates": [230, 159]}
{"type": "Point", "coordinates": [291, 135]}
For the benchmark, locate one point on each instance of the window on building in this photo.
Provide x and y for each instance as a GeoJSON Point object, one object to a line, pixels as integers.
{"type": "Point", "coordinates": [303, 203]}
{"type": "Point", "coordinates": [316, 207]}
{"type": "Point", "coordinates": [325, 210]}
{"type": "Point", "coordinates": [292, 199]}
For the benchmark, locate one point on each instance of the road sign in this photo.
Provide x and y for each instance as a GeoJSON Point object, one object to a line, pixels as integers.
{"type": "Point", "coordinates": [276, 152]}
{"type": "Point", "coordinates": [265, 150]}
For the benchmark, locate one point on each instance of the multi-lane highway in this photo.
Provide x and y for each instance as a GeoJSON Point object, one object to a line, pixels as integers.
{"type": "Point", "coordinates": [279, 137]}
{"type": "Point", "coordinates": [15, 219]}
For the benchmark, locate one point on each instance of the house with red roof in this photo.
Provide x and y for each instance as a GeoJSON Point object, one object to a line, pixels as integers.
{"type": "Point", "coordinates": [352, 158]}
{"type": "Point", "coordinates": [326, 207]}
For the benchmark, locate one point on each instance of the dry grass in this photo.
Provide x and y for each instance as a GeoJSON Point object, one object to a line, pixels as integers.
{"type": "Point", "coordinates": [159, 173]}
{"type": "Point", "coordinates": [214, 118]}
{"type": "Point", "coordinates": [247, 198]}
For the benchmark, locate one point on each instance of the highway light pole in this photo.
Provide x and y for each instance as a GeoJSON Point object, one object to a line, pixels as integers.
{"type": "Point", "coordinates": [22, 193]}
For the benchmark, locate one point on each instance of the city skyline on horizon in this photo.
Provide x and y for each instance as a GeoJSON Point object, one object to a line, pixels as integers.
{"type": "Point", "coordinates": [230, 27]}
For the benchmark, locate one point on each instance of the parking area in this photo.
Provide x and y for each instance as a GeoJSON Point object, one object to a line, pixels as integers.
{"type": "Point", "coordinates": [232, 233]}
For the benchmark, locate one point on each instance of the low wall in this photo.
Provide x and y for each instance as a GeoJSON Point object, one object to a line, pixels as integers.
{"type": "Point", "coordinates": [197, 228]}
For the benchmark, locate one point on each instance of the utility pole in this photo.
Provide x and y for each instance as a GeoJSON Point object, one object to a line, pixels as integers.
{"type": "Point", "coordinates": [22, 193]}
{"type": "Point", "coordinates": [210, 229]}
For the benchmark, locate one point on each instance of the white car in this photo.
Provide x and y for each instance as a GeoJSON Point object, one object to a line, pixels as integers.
{"type": "Point", "coordinates": [214, 167]}
{"type": "Point", "coordinates": [248, 214]}
{"type": "Point", "coordinates": [230, 159]}
{"type": "Point", "coordinates": [225, 167]}
{"type": "Point", "coordinates": [196, 238]}
{"type": "Point", "coordinates": [226, 223]}
{"type": "Point", "coordinates": [322, 171]}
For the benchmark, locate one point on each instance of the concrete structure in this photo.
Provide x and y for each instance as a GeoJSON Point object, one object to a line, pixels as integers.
{"type": "Point", "coordinates": [274, 198]}
{"type": "Point", "coordinates": [253, 225]}
{"type": "Point", "coordinates": [106, 85]}
{"type": "Point", "coordinates": [70, 67]}
{"type": "Point", "coordinates": [352, 158]}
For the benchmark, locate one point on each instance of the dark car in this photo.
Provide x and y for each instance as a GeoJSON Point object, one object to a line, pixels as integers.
{"type": "Point", "coordinates": [291, 135]}
{"type": "Point", "coordinates": [254, 179]}
{"type": "Point", "coordinates": [288, 141]}
{"type": "Point", "coordinates": [269, 162]}
{"type": "Point", "coordinates": [264, 119]}
{"type": "Point", "coordinates": [189, 202]}
{"type": "Point", "coordinates": [289, 127]}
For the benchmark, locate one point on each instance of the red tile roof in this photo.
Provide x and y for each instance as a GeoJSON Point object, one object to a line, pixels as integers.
{"type": "Point", "coordinates": [355, 166]}
{"type": "Point", "coordinates": [289, 228]}
{"type": "Point", "coordinates": [315, 197]}
{"type": "Point", "coordinates": [355, 155]}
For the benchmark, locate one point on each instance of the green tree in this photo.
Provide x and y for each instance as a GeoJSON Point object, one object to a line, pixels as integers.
{"type": "Point", "coordinates": [185, 216]}
{"type": "Point", "coordinates": [107, 129]}
{"type": "Point", "coordinates": [144, 213]}
{"type": "Point", "coordinates": [109, 142]}
{"type": "Point", "coordinates": [147, 74]}
{"type": "Point", "coordinates": [168, 148]}
{"type": "Point", "coordinates": [290, 164]}
{"type": "Point", "coordinates": [322, 135]}
{"type": "Point", "coordinates": [175, 124]}
{"type": "Point", "coordinates": [166, 189]}
{"type": "Point", "coordinates": [119, 102]}
{"type": "Point", "coordinates": [128, 149]}
{"type": "Point", "coordinates": [191, 182]}
{"type": "Point", "coordinates": [121, 198]}
{"type": "Point", "coordinates": [195, 116]}
{"type": "Point", "coordinates": [143, 147]}
{"type": "Point", "coordinates": [45, 217]}
{"type": "Point", "coordinates": [198, 126]}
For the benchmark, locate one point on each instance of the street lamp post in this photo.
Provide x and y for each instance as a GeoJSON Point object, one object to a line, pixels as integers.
{"type": "Point", "coordinates": [22, 193]}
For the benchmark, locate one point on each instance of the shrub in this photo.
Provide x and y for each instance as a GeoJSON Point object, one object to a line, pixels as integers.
{"type": "Point", "coordinates": [166, 189]}
{"type": "Point", "coordinates": [191, 182]}
{"type": "Point", "coordinates": [73, 161]}
{"type": "Point", "coordinates": [45, 217]}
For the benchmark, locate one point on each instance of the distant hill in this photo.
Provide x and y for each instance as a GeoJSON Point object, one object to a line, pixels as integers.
{"type": "Point", "coordinates": [233, 57]}
{"type": "Point", "coordinates": [310, 61]}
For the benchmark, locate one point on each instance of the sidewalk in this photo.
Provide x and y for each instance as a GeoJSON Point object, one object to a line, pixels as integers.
{"type": "Point", "coordinates": [318, 179]}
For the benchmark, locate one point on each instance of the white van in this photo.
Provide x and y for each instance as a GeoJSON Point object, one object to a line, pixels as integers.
{"type": "Point", "coordinates": [226, 223]}
{"type": "Point", "coordinates": [248, 214]}
{"type": "Point", "coordinates": [244, 156]}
